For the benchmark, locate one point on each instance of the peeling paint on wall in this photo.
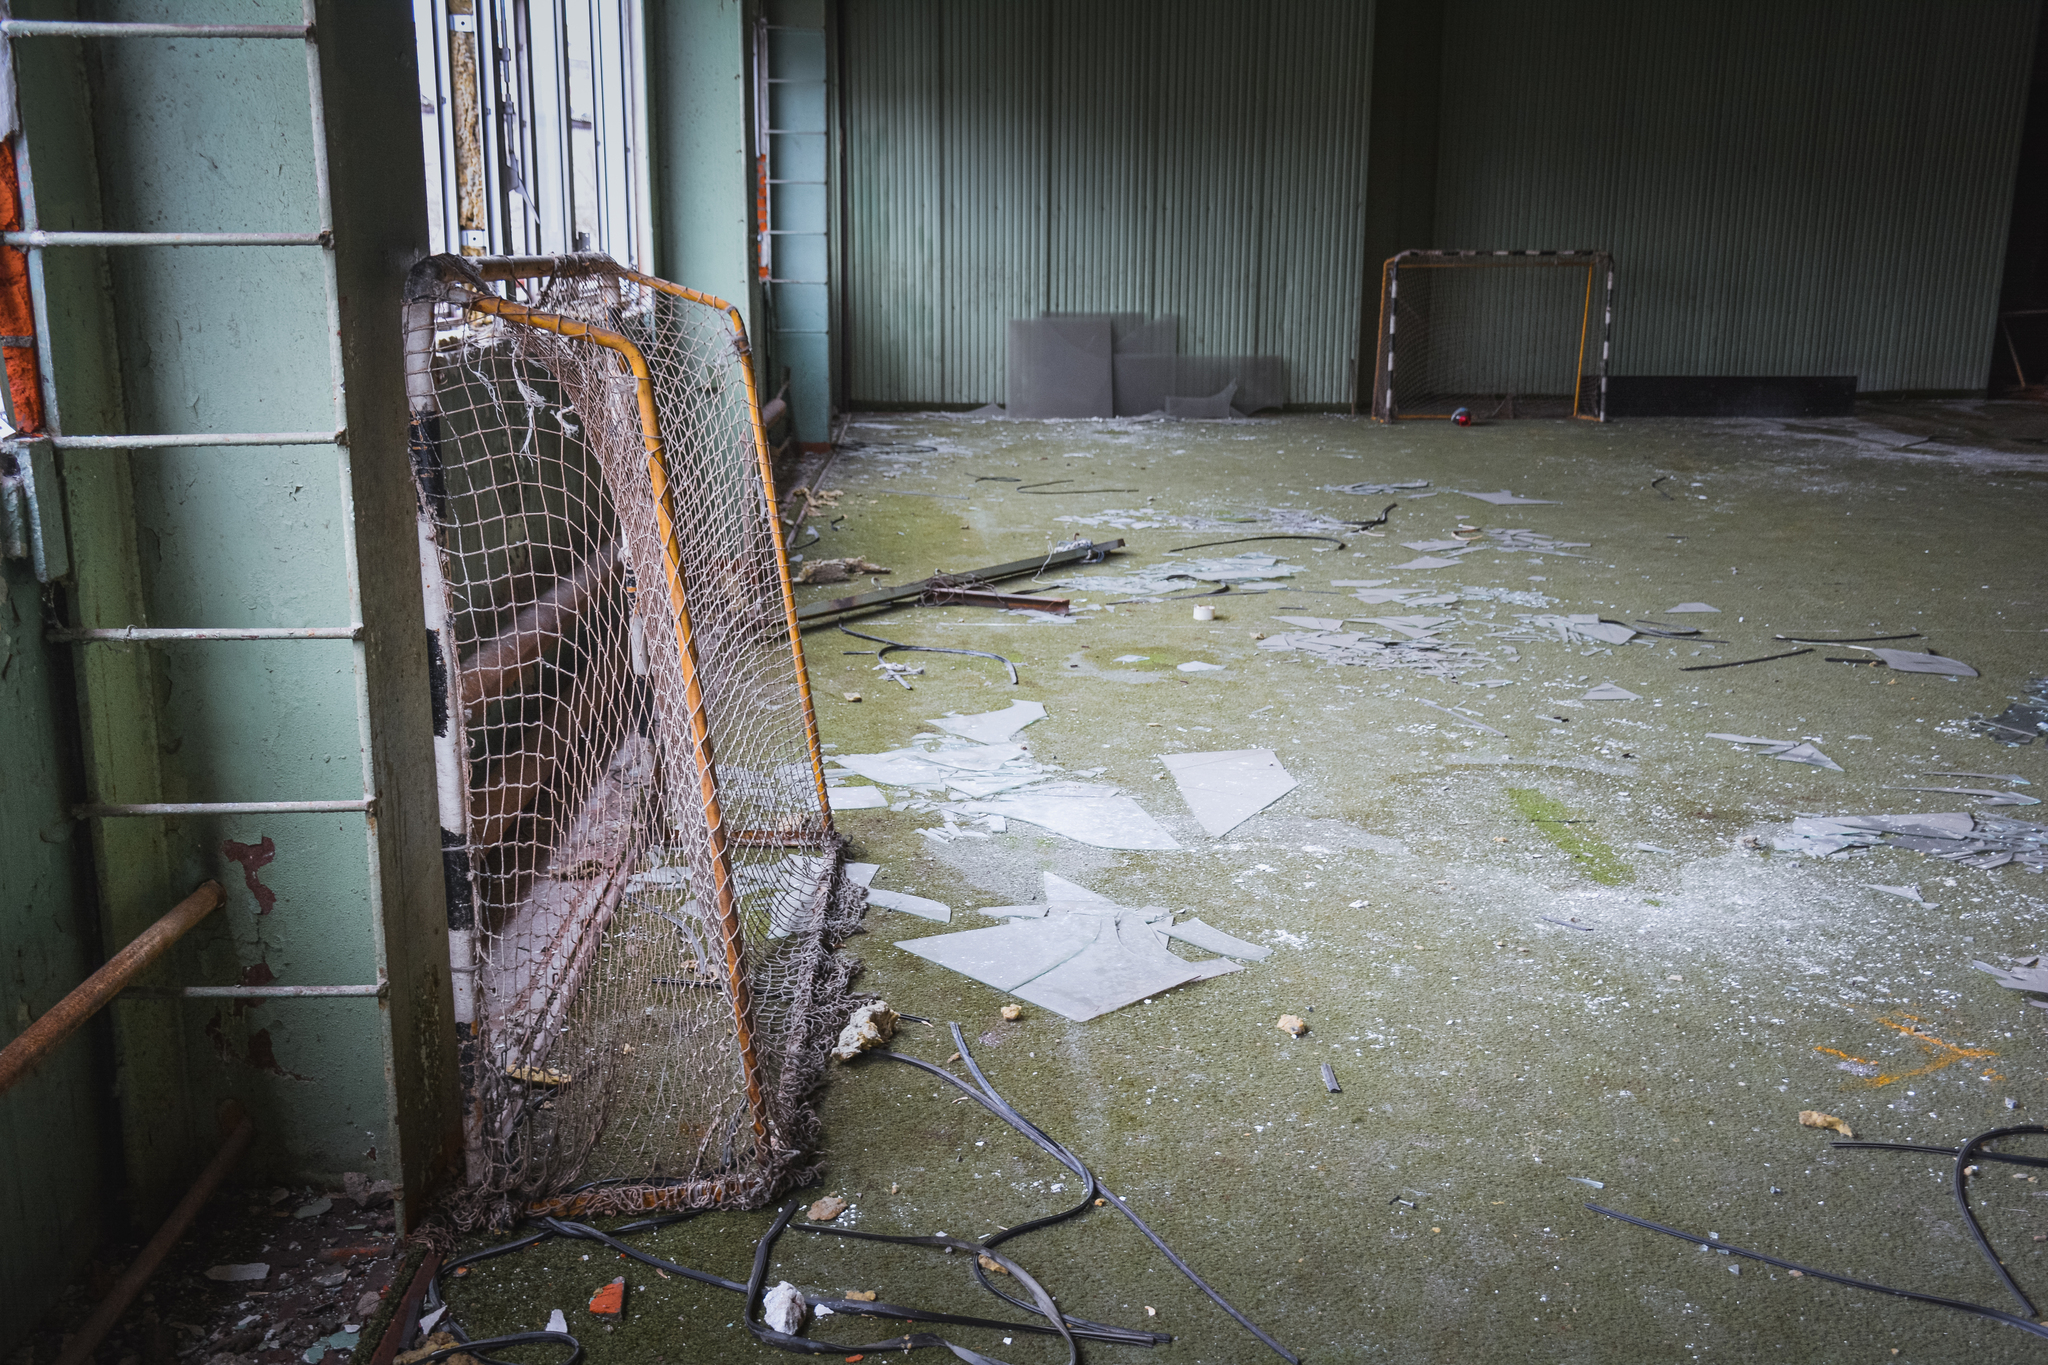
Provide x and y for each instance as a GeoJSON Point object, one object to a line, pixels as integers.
{"type": "Point", "coordinates": [253, 857]}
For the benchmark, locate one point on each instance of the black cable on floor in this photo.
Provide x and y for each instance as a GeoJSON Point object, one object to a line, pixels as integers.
{"type": "Point", "coordinates": [2009, 1158]}
{"type": "Point", "coordinates": [1970, 1217]}
{"type": "Point", "coordinates": [888, 645]}
{"type": "Point", "coordinates": [1962, 1157]}
{"type": "Point", "coordinates": [910, 1341]}
{"type": "Point", "coordinates": [1737, 663]}
{"type": "Point", "coordinates": [1246, 540]}
{"type": "Point", "coordinates": [559, 1227]}
{"type": "Point", "coordinates": [1960, 1305]}
{"type": "Point", "coordinates": [991, 1100]}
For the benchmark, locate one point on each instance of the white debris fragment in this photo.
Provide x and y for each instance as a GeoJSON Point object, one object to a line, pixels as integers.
{"type": "Point", "coordinates": [556, 1322]}
{"type": "Point", "coordinates": [235, 1274]}
{"type": "Point", "coordinates": [1226, 788]}
{"type": "Point", "coordinates": [1791, 751]}
{"type": "Point", "coordinates": [871, 1026]}
{"type": "Point", "coordinates": [992, 727]}
{"type": "Point", "coordinates": [783, 1309]}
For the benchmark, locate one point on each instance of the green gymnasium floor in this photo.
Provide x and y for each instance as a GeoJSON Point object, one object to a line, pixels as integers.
{"type": "Point", "coordinates": [1494, 1062]}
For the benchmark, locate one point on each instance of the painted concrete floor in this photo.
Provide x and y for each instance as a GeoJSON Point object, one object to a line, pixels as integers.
{"type": "Point", "coordinates": [1494, 1061]}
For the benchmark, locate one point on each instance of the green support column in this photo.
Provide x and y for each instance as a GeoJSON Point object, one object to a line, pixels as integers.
{"type": "Point", "coordinates": [700, 107]}
{"type": "Point", "coordinates": [380, 230]}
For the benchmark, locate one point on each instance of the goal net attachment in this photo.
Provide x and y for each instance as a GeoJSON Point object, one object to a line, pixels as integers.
{"type": "Point", "coordinates": [645, 893]}
{"type": "Point", "coordinates": [1497, 333]}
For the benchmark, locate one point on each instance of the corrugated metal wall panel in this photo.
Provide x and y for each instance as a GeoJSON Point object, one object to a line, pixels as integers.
{"type": "Point", "coordinates": [994, 150]}
{"type": "Point", "coordinates": [1103, 166]}
{"type": "Point", "coordinates": [1806, 189]}
{"type": "Point", "coordinates": [893, 76]}
{"type": "Point", "coordinates": [1311, 259]}
{"type": "Point", "coordinates": [1193, 157]}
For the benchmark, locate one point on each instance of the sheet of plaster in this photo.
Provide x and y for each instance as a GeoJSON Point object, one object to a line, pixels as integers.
{"type": "Point", "coordinates": [1122, 965]}
{"type": "Point", "coordinates": [1216, 941]}
{"type": "Point", "coordinates": [910, 905]}
{"type": "Point", "coordinates": [1087, 813]}
{"type": "Point", "coordinates": [992, 727]}
{"type": "Point", "coordinates": [1225, 788]}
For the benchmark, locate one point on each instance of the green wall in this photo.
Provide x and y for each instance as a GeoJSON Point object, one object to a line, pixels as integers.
{"type": "Point", "coordinates": [1818, 188]}
{"type": "Point", "coordinates": [700, 111]}
{"type": "Point", "coordinates": [1203, 158]}
{"type": "Point", "coordinates": [1812, 188]}
{"type": "Point", "coordinates": [217, 135]}
{"type": "Point", "coordinates": [56, 1164]}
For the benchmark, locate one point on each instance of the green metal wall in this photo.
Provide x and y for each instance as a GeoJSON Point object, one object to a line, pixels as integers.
{"type": "Point", "coordinates": [1819, 188]}
{"type": "Point", "coordinates": [1194, 157]}
{"type": "Point", "coordinates": [1812, 188]}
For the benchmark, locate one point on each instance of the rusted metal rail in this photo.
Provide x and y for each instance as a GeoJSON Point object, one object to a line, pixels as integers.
{"type": "Point", "coordinates": [63, 1019]}
{"type": "Point", "coordinates": [79, 1348]}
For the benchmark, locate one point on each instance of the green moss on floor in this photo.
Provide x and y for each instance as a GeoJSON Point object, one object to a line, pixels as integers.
{"type": "Point", "coordinates": [1429, 1212]}
{"type": "Point", "coordinates": [1588, 851]}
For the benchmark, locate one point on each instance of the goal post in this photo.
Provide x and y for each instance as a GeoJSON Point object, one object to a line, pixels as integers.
{"type": "Point", "coordinates": [646, 894]}
{"type": "Point", "coordinates": [1498, 333]}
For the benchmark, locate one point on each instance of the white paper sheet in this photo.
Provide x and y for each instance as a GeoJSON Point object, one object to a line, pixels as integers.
{"type": "Point", "coordinates": [910, 905]}
{"type": "Point", "coordinates": [1507, 499]}
{"type": "Point", "coordinates": [1216, 941]}
{"type": "Point", "coordinates": [1087, 813]}
{"type": "Point", "coordinates": [993, 727]}
{"type": "Point", "coordinates": [1223, 789]}
{"type": "Point", "coordinates": [856, 798]}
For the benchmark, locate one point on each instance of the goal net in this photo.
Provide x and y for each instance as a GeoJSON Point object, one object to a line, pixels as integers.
{"type": "Point", "coordinates": [1498, 333]}
{"type": "Point", "coordinates": [644, 888]}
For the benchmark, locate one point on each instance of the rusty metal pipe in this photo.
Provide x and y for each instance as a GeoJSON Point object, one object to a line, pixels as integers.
{"type": "Point", "coordinates": [41, 1038]}
{"type": "Point", "coordinates": [78, 1350]}
{"type": "Point", "coordinates": [537, 629]}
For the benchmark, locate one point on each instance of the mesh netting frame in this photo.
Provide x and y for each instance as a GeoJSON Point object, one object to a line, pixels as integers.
{"type": "Point", "coordinates": [1598, 264]}
{"type": "Point", "coordinates": [464, 283]}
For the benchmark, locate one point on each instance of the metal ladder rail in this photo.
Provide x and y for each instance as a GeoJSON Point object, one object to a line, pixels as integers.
{"type": "Point", "coordinates": [33, 240]}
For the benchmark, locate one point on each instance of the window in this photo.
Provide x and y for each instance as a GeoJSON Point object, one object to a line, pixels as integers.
{"type": "Point", "coordinates": [534, 114]}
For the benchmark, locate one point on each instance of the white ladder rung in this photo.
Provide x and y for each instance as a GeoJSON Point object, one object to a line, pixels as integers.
{"type": "Point", "coordinates": [255, 992]}
{"type": "Point", "coordinates": [126, 634]}
{"type": "Point", "coordinates": [72, 28]}
{"type": "Point", "coordinates": [179, 440]}
{"type": "Point", "coordinates": [90, 812]}
{"type": "Point", "coordinates": [36, 241]}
